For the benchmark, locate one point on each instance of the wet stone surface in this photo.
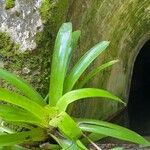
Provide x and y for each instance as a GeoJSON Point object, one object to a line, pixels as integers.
{"type": "Point", "coordinates": [21, 22]}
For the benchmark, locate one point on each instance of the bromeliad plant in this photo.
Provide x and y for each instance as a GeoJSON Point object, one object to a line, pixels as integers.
{"type": "Point", "coordinates": [46, 120]}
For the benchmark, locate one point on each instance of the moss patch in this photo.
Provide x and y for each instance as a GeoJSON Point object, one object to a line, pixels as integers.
{"type": "Point", "coordinates": [36, 62]}
{"type": "Point", "coordinates": [9, 4]}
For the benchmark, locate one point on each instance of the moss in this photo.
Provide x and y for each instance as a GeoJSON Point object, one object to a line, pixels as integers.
{"type": "Point", "coordinates": [9, 4]}
{"type": "Point", "coordinates": [37, 61]}
{"type": "Point", "coordinates": [8, 49]}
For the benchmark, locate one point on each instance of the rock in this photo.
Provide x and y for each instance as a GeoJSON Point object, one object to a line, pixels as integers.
{"type": "Point", "coordinates": [21, 22]}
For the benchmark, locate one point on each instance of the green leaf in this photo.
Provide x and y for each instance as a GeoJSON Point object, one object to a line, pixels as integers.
{"type": "Point", "coordinates": [112, 130]}
{"type": "Point", "coordinates": [94, 72]}
{"type": "Point", "coordinates": [64, 143]}
{"type": "Point", "coordinates": [22, 85]}
{"type": "Point", "coordinates": [75, 95]}
{"type": "Point", "coordinates": [21, 125]}
{"type": "Point", "coordinates": [81, 145]}
{"type": "Point", "coordinates": [15, 147]}
{"type": "Point", "coordinates": [117, 148]}
{"type": "Point", "coordinates": [68, 144]}
{"type": "Point", "coordinates": [93, 137]}
{"type": "Point", "coordinates": [75, 38]}
{"type": "Point", "coordinates": [66, 125]}
{"type": "Point", "coordinates": [14, 114]}
{"type": "Point", "coordinates": [4, 129]}
{"type": "Point", "coordinates": [22, 137]}
{"type": "Point", "coordinates": [82, 64]}
{"type": "Point", "coordinates": [59, 62]}
{"type": "Point", "coordinates": [74, 42]}
{"type": "Point", "coordinates": [24, 102]}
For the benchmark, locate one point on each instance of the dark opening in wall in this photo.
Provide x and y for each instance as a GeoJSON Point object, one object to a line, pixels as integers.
{"type": "Point", "coordinates": [139, 99]}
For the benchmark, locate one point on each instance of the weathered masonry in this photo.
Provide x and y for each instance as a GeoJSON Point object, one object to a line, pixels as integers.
{"type": "Point", "coordinates": [28, 30]}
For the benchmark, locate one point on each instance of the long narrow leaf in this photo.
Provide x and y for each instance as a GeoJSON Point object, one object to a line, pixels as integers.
{"type": "Point", "coordinates": [93, 137]}
{"type": "Point", "coordinates": [75, 38]}
{"type": "Point", "coordinates": [94, 73]}
{"type": "Point", "coordinates": [22, 137]}
{"type": "Point", "coordinates": [14, 147]}
{"type": "Point", "coordinates": [66, 125]}
{"type": "Point", "coordinates": [82, 64]}
{"type": "Point", "coordinates": [81, 145]}
{"type": "Point", "coordinates": [75, 95]}
{"type": "Point", "coordinates": [59, 62]}
{"type": "Point", "coordinates": [22, 85]}
{"type": "Point", "coordinates": [64, 143]}
{"type": "Point", "coordinates": [14, 114]}
{"type": "Point", "coordinates": [68, 144]}
{"type": "Point", "coordinates": [24, 102]}
{"type": "Point", "coordinates": [6, 130]}
{"type": "Point", "coordinates": [74, 42]}
{"type": "Point", "coordinates": [112, 130]}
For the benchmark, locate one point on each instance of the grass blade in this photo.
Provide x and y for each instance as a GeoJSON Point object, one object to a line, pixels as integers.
{"type": "Point", "coordinates": [59, 62]}
{"type": "Point", "coordinates": [23, 102]}
{"type": "Point", "coordinates": [75, 95]}
{"type": "Point", "coordinates": [82, 64]}
{"type": "Point", "coordinates": [22, 85]}
{"type": "Point", "coordinates": [112, 130]}
{"type": "Point", "coordinates": [14, 114]}
{"type": "Point", "coordinates": [22, 137]}
{"type": "Point", "coordinates": [94, 72]}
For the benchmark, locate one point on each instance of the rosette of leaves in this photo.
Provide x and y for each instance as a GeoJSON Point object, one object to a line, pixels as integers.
{"type": "Point", "coordinates": [44, 121]}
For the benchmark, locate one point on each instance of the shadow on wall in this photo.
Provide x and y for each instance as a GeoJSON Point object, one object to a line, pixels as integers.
{"type": "Point", "coordinates": [139, 99]}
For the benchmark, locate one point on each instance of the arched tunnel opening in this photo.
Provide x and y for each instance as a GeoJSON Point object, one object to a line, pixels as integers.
{"type": "Point", "coordinates": [139, 98]}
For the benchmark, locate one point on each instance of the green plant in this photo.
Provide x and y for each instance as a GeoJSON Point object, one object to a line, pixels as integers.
{"type": "Point", "coordinates": [46, 120]}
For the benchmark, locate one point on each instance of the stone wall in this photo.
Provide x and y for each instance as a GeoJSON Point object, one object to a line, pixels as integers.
{"type": "Point", "coordinates": [126, 24]}
{"type": "Point", "coordinates": [28, 30]}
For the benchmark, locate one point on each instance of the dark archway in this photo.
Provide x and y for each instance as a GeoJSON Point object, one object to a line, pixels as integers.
{"type": "Point", "coordinates": [139, 98]}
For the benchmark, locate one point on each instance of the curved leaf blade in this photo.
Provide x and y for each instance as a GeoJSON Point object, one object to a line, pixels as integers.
{"type": "Point", "coordinates": [66, 125]}
{"type": "Point", "coordinates": [22, 137]}
{"type": "Point", "coordinates": [64, 143]}
{"type": "Point", "coordinates": [23, 102]}
{"type": "Point", "coordinates": [75, 38]}
{"type": "Point", "coordinates": [82, 64]}
{"type": "Point", "coordinates": [75, 95]}
{"type": "Point", "coordinates": [59, 62]}
{"type": "Point", "coordinates": [94, 72]}
{"type": "Point", "coordinates": [14, 147]}
{"type": "Point", "coordinates": [93, 137]}
{"type": "Point", "coordinates": [112, 130]}
{"type": "Point", "coordinates": [74, 42]}
{"type": "Point", "coordinates": [22, 85]}
{"type": "Point", "coordinates": [14, 114]}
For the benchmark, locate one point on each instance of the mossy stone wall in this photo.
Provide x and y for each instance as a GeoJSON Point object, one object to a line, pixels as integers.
{"type": "Point", "coordinates": [126, 23]}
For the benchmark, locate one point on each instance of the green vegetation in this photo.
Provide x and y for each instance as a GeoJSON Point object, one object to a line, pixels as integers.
{"type": "Point", "coordinates": [46, 119]}
{"type": "Point", "coordinates": [9, 4]}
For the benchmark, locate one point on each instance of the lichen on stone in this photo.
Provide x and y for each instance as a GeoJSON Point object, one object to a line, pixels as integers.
{"type": "Point", "coordinates": [9, 4]}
